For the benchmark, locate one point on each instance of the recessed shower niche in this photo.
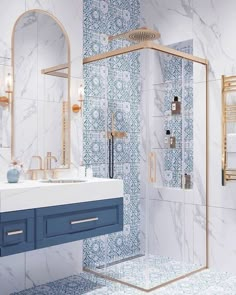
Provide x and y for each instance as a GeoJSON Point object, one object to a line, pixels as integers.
{"type": "Point", "coordinates": [168, 122]}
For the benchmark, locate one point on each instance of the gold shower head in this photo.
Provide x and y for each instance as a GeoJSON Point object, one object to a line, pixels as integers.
{"type": "Point", "coordinates": [138, 35]}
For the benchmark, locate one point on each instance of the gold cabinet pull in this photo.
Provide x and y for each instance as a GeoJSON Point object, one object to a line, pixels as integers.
{"type": "Point", "coordinates": [83, 221]}
{"type": "Point", "coordinates": [14, 233]}
{"type": "Point", "coordinates": [152, 167]}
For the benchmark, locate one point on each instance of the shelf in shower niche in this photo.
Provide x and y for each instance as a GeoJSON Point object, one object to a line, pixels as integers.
{"type": "Point", "coordinates": [172, 149]}
{"type": "Point", "coordinates": [174, 116]}
{"type": "Point", "coordinates": [174, 81]}
{"type": "Point", "coordinates": [172, 188]}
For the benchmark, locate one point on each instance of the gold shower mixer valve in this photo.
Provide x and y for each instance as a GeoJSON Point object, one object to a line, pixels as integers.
{"type": "Point", "coordinates": [115, 133]}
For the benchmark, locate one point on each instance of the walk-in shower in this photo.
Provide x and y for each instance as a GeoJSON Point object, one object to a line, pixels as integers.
{"type": "Point", "coordinates": [172, 140]}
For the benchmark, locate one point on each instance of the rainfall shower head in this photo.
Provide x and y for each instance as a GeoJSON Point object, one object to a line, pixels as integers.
{"type": "Point", "coordinates": [138, 35]}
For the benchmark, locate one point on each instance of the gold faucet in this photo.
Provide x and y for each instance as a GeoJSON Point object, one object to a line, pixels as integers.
{"type": "Point", "coordinates": [48, 163]}
{"type": "Point", "coordinates": [40, 161]}
{"type": "Point", "coordinates": [34, 171]}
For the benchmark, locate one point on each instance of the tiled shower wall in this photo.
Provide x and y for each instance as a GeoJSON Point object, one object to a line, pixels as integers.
{"type": "Point", "coordinates": [113, 86]}
{"type": "Point", "coordinates": [178, 81]}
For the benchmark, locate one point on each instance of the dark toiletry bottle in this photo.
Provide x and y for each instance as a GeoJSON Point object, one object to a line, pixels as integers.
{"type": "Point", "coordinates": [176, 106]}
{"type": "Point", "coordinates": [172, 142]}
{"type": "Point", "coordinates": [167, 139]}
{"type": "Point", "coordinates": [187, 181]}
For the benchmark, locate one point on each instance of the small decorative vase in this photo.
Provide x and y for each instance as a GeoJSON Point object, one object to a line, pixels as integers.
{"type": "Point", "coordinates": [13, 175]}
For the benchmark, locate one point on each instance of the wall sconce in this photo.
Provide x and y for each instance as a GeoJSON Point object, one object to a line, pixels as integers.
{"type": "Point", "coordinates": [78, 107]}
{"type": "Point", "coordinates": [8, 83]}
{"type": "Point", "coordinates": [5, 100]}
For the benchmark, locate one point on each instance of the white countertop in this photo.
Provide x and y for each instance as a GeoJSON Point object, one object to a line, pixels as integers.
{"type": "Point", "coordinates": [36, 194]}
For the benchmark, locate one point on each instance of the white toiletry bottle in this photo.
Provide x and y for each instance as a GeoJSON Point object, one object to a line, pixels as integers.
{"type": "Point", "coordinates": [82, 171]}
{"type": "Point", "coordinates": [167, 139]}
{"type": "Point", "coordinates": [89, 172]}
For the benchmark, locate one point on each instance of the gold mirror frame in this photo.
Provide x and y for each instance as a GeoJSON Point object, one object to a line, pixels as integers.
{"type": "Point", "coordinates": [68, 149]}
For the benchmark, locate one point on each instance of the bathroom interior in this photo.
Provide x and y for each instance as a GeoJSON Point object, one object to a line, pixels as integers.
{"type": "Point", "coordinates": [117, 147]}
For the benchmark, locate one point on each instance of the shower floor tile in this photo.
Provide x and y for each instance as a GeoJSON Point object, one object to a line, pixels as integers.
{"type": "Point", "coordinates": [148, 272]}
{"type": "Point", "coordinates": [204, 283]}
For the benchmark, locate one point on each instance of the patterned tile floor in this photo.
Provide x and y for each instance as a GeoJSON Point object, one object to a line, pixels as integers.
{"type": "Point", "coordinates": [148, 271]}
{"type": "Point", "coordinates": [204, 283]}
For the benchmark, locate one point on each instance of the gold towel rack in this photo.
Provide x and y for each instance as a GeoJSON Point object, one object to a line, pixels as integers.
{"type": "Point", "coordinates": [228, 117]}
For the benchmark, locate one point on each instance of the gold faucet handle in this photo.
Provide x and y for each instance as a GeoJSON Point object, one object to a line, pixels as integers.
{"type": "Point", "coordinates": [33, 173]}
{"type": "Point", "coordinates": [54, 173]}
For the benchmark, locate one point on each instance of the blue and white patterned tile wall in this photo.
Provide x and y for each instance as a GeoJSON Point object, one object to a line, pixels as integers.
{"type": "Point", "coordinates": [178, 81]}
{"type": "Point", "coordinates": [113, 86]}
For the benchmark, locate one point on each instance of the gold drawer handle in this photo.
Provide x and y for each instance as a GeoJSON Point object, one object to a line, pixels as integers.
{"type": "Point", "coordinates": [14, 233]}
{"type": "Point", "coordinates": [83, 221]}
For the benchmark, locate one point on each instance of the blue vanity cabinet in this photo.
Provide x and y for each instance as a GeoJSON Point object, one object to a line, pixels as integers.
{"type": "Point", "coordinates": [67, 223]}
{"type": "Point", "coordinates": [17, 232]}
{"type": "Point", "coordinates": [26, 230]}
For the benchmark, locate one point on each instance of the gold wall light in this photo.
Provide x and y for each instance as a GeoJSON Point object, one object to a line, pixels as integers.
{"type": "Point", "coordinates": [5, 100]}
{"type": "Point", "coordinates": [78, 107]}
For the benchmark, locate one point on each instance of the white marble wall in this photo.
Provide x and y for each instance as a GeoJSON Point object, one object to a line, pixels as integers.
{"type": "Point", "coordinates": [25, 270]}
{"type": "Point", "coordinates": [211, 24]}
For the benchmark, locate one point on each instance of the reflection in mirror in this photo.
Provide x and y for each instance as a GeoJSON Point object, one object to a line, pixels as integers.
{"type": "Point", "coordinates": [5, 98]}
{"type": "Point", "coordinates": [41, 59]}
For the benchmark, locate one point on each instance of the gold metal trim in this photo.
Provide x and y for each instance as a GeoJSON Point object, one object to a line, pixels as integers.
{"type": "Point", "coordinates": [228, 85]}
{"type": "Point", "coordinates": [106, 277]}
{"type": "Point", "coordinates": [207, 165]}
{"type": "Point", "coordinates": [69, 80]}
{"type": "Point", "coordinates": [164, 49]}
{"type": "Point", "coordinates": [54, 71]}
{"type": "Point", "coordinates": [152, 167]}
{"type": "Point", "coordinates": [145, 45]}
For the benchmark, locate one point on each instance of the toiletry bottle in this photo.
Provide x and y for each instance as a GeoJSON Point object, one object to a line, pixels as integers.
{"type": "Point", "coordinates": [187, 181]}
{"type": "Point", "coordinates": [167, 139]}
{"type": "Point", "coordinates": [176, 106]}
{"type": "Point", "coordinates": [89, 172]}
{"type": "Point", "coordinates": [82, 171]}
{"type": "Point", "coordinates": [172, 142]}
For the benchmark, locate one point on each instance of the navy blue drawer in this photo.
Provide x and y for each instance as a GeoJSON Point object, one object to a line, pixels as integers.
{"type": "Point", "coordinates": [67, 223]}
{"type": "Point", "coordinates": [16, 232]}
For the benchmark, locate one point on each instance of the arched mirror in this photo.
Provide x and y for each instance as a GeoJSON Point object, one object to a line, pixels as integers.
{"type": "Point", "coordinates": [41, 91]}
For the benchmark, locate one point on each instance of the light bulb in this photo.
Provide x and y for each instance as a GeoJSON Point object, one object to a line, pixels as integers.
{"type": "Point", "coordinates": [81, 92]}
{"type": "Point", "coordinates": [8, 83]}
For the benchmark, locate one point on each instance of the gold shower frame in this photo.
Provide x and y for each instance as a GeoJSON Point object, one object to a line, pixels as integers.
{"type": "Point", "coordinates": [228, 85]}
{"type": "Point", "coordinates": [54, 71]}
{"type": "Point", "coordinates": [164, 49]}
